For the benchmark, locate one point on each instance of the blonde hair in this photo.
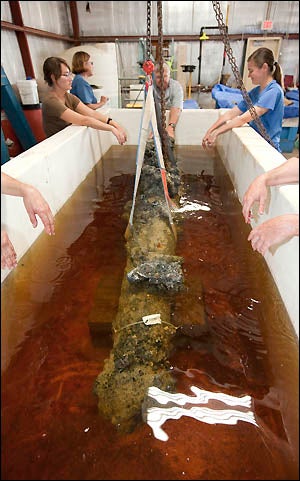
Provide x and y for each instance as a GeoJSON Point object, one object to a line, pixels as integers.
{"type": "Point", "coordinates": [78, 61]}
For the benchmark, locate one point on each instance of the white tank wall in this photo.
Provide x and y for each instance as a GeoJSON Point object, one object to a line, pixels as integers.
{"type": "Point", "coordinates": [246, 155]}
{"type": "Point", "coordinates": [59, 164]}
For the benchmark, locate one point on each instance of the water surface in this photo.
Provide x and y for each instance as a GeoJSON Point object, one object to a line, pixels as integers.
{"type": "Point", "coordinates": [53, 346]}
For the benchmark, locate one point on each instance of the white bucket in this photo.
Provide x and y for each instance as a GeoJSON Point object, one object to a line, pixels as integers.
{"type": "Point", "coordinates": [28, 91]}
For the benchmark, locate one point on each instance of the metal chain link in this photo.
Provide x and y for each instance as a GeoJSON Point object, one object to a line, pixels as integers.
{"type": "Point", "coordinates": [162, 91]}
{"type": "Point", "coordinates": [237, 75]}
{"type": "Point", "coordinates": [148, 39]}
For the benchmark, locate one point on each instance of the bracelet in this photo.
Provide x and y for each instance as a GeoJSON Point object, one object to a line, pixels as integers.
{"type": "Point", "coordinates": [173, 125]}
{"type": "Point", "coordinates": [108, 120]}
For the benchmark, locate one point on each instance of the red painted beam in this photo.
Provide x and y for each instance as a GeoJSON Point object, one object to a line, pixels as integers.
{"type": "Point", "coordinates": [75, 22]}
{"type": "Point", "coordinates": [22, 39]}
{"type": "Point", "coordinates": [35, 31]}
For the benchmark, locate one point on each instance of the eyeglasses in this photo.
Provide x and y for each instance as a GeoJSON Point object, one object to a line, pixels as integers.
{"type": "Point", "coordinates": [68, 74]}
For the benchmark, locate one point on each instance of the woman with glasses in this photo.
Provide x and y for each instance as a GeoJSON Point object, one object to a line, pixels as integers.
{"type": "Point", "coordinates": [83, 68]}
{"type": "Point", "coordinates": [60, 108]}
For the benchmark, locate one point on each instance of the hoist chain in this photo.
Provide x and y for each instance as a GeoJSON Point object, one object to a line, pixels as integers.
{"type": "Point", "coordinates": [148, 39]}
{"type": "Point", "coordinates": [237, 75]}
{"type": "Point", "coordinates": [162, 91]}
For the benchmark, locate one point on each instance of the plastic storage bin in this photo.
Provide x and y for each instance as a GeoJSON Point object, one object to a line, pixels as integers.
{"type": "Point", "coordinates": [190, 104]}
{"type": "Point", "coordinates": [287, 138]}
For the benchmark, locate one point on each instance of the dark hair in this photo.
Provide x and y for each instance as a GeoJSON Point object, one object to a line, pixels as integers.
{"type": "Point", "coordinates": [78, 60]}
{"type": "Point", "coordinates": [52, 66]}
{"type": "Point", "coordinates": [265, 55]}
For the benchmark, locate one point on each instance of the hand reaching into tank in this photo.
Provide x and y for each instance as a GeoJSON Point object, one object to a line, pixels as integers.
{"type": "Point", "coordinates": [170, 131]}
{"type": "Point", "coordinates": [34, 202]}
{"type": "Point", "coordinates": [209, 139]}
{"type": "Point", "coordinates": [256, 192]}
{"type": "Point", "coordinates": [286, 173]}
{"type": "Point", "coordinates": [122, 131]}
{"type": "Point", "coordinates": [274, 231]}
{"type": "Point", "coordinates": [120, 135]}
{"type": "Point", "coordinates": [8, 253]}
{"type": "Point", "coordinates": [35, 205]}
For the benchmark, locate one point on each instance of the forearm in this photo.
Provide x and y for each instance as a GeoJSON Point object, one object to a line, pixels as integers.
{"type": "Point", "coordinates": [94, 106]}
{"type": "Point", "coordinates": [174, 115]}
{"type": "Point", "coordinates": [97, 105]}
{"type": "Point", "coordinates": [99, 116]}
{"type": "Point", "coordinates": [11, 186]}
{"type": "Point", "coordinates": [95, 123]}
{"type": "Point", "coordinates": [287, 173]}
{"type": "Point", "coordinates": [229, 125]}
{"type": "Point", "coordinates": [231, 114]}
{"type": "Point", "coordinates": [107, 122]}
{"type": "Point", "coordinates": [115, 124]}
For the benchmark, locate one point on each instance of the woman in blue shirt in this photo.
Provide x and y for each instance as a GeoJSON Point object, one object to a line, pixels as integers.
{"type": "Point", "coordinates": [267, 99]}
{"type": "Point", "coordinates": [82, 67]}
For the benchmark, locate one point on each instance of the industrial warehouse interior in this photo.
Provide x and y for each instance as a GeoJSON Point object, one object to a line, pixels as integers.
{"type": "Point", "coordinates": [150, 240]}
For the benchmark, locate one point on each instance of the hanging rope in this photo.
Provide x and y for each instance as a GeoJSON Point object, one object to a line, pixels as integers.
{"type": "Point", "coordinates": [237, 75]}
{"type": "Point", "coordinates": [164, 139]}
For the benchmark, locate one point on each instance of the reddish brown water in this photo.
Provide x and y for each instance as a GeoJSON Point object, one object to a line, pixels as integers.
{"type": "Point", "coordinates": [51, 428]}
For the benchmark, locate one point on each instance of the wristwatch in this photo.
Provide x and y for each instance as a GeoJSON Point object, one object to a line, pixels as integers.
{"type": "Point", "coordinates": [173, 125]}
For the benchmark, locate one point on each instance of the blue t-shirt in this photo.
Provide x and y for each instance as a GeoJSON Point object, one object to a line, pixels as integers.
{"type": "Point", "coordinates": [270, 98]}
{"type": "Point", "coordinates": [83, 90]}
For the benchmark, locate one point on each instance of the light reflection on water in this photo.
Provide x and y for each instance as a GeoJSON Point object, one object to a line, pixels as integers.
{"type": "Point", "coordinates": [189, 206]}
{"type": "Point", "coordinates": [157, 416]}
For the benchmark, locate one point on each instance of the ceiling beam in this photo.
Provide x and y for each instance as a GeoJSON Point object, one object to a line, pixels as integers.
{"type": "Point", "coordinates": [35, 31]}
{"type": "Point", "coordinates": [186, 38]}
{"type": "Point", "coordinates": [22, 39]}
{"type": "Point", "coordinates": [75, 22]}
{"type": "Point", "coordinates": [135, 38]}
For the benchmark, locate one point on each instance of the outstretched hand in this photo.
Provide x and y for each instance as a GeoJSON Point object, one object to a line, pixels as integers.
{"type": "Point", "coordinates": [209, 140]}
{"type": "Point", "coordinates": [170, 131]}
{"type": "Point", "coordinates": [257, 192]}
{"type": "Point", "coordinates": [120, 135]}
{"type": "Point", "coordinates": [274, 231]}
{"type": "Point", "coordinates": [35, 204]}
{"type": "Point", "coordinates": [8, 253]}
{"type": "Point", "coordinates": [103, 100]}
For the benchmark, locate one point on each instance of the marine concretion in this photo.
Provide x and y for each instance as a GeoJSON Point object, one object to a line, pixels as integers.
{"type": "Point", "coordinates": [142, 329]}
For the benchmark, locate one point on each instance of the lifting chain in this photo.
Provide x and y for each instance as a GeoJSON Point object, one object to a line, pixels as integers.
{"type": "Point", "coordinates": [148, 39]}
{"type": "Point", "coordinates": [148, 65]}
{"type": "Point", "coordinates": [237, 75]}
{"type": "Point", "coordinates": [162, 91]}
